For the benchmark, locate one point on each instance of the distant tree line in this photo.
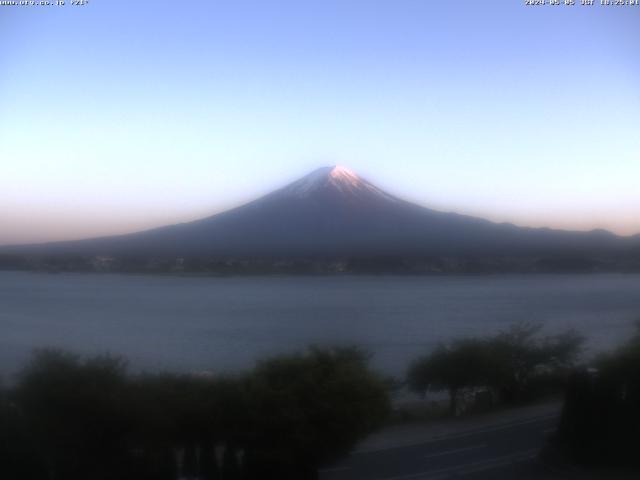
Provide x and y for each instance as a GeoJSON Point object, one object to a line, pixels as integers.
{"type": "Point", "coordinates": [362, 264]}
{"type": "Point", "coordinates": [71, 418]}
{"type": "Point", "coordinates": [509, 367]}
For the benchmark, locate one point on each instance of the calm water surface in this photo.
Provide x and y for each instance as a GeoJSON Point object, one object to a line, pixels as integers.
{"type": "Point", "coordinates": [194, 324]}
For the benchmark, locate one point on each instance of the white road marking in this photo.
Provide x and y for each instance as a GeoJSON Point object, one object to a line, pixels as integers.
{"type": "Point", "coordinates": [468, 433]}
{"type": "Point", "coordinates": [468, 468]}
{"type": "Point", "coordinates": [457, 450]}
{"type": "Point", "coordinates": [503, 461]}
{"type": "Point", "coordinates": [336, 469]}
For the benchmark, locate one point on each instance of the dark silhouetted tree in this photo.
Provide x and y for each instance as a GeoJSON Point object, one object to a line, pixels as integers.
{"type": "Point", "coordinates": [504, 363]}
{"type": "Point", "coordinates": [311, 408]}
{"type": "Point", "coordinates": [459, 365]}
{"type": "Point", "coordinates": [74, 414]}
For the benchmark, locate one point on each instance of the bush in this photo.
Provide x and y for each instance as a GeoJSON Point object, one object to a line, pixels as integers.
{"type": "Point", "coordinates": [71, 418]}
{"type": "Point", "coordinates": [73, 414]}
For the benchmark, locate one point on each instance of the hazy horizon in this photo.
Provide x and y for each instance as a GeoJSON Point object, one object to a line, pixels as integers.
{"type": "Point", "coordinates": [118, 117]}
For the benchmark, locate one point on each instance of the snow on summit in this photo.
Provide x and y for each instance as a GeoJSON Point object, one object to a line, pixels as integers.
{"type": "Point", "coordinates": [333, 180]}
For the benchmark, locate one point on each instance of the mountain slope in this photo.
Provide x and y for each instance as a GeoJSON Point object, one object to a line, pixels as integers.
{"type": "Point", "coordinates": [333, 212]}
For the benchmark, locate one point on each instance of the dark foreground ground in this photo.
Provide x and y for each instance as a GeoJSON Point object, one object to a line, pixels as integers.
{"type": "Point", "coordinates": [498, 446]}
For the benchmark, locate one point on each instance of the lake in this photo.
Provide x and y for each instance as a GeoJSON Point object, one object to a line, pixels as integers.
{"type": "Point", "coordinates": [226, 324]}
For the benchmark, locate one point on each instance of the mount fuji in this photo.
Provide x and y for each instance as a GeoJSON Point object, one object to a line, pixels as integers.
{"type": "Point", "coordinates": [334, 212]}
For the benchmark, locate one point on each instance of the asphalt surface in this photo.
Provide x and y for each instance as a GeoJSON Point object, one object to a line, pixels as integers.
{"type": "Point", "coordinates": [501, 451]}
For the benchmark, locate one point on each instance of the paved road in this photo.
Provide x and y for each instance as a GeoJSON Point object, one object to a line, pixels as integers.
{"type": "Point", "coordinates": [500, 451]}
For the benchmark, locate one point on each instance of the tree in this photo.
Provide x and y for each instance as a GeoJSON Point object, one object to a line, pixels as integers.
{"type": "Point", "coordinates": [461, 364]}
{"type": "Point", "coordinates": [600, 421]}
{"type": "Point", "coordinates": [73, 413]}
{"type": "Point", "coordinates": [71, 418]}
{"type": "Point", "coordinates": [505, 363]}
{"type": "Point", "coordinates": [311, 408]}
{"type": "Point", "coordinates": [179, 415]}
{"type": "Point", "coordinates": [18, 457]}
{"type": "Point", "coordinates": [520, 352]}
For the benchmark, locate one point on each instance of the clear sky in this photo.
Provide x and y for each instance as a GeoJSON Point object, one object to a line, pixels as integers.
{"type": "Point", "coordinates": [122, 115]}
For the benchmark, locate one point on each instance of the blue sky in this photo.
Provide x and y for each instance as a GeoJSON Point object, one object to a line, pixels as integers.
{"type": "Point", "coordinates": [122, 115]}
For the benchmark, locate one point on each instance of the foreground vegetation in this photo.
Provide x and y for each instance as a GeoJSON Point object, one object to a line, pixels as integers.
{"type": "Point", "coordinates": [71, 418]}
{"type": "Point", "coordinates": [68, 417]}
{"type": "Point", "coordinates": [600, 423]}
{"type": "Point", "coordinates": [510, 367]}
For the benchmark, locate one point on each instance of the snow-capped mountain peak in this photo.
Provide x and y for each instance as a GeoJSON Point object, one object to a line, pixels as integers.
{"type": "Point", "coordinates": [335, 179]}
{"type": "Point", "coordinates": [342, 174]}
